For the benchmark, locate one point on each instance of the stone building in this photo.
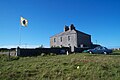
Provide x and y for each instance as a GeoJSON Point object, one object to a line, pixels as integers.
{"type": "Point", "coordinates": [72, 38]}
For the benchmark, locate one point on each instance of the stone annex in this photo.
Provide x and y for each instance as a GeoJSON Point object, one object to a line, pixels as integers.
{"type": "Point", "coordinates": [72, 38]}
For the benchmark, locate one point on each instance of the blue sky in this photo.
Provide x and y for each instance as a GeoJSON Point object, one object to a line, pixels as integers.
{"type": "Point", "coordinates": [99, 18]}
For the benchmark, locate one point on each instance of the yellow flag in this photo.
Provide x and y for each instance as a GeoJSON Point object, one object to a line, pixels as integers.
{"type": "Point", "coordinates": [23, 21]}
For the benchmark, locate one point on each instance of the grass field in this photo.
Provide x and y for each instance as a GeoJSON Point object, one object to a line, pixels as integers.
{"type": "Point", "coordinates": [61, 67]}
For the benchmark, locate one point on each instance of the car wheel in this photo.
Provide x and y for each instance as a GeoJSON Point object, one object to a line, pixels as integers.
{"type": "Point", "coordinates": [90, 52]}
{"type": "Point", "coordinates": [105, 52]}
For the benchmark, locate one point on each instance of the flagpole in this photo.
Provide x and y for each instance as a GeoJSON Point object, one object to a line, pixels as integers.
{"type": "Point", "coordinates": [24, 23]}
{"type": "Point", "coordinates": [20, 28]}
{"type": "Point", "coordinates": [20, 35]}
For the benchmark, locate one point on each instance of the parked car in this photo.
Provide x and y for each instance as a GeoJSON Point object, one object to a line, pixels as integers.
{"type": "Point", "coordinates": [99, 50]}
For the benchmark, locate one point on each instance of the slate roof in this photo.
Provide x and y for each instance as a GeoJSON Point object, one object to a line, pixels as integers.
{"type": "Point", "coordinates": [69, 32]}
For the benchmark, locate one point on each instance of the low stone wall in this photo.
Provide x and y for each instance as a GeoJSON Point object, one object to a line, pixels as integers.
{"type": "Point", "coordinates": [12, 53]}
{"type": "Point", "coordinates": [39, 51]}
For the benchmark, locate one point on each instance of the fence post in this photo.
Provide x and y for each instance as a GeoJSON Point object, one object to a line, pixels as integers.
{"type": "Point", "coordinates": [67, 53]}
{"type": "Point", "coordinates": [9, 55]}
{"type": "Point", "coordinates": [18, 51]}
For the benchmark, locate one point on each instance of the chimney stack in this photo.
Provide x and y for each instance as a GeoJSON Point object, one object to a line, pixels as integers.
{"type": "Point", "coordinates": [66, 28]}
{"type": "Point", "coordinates": [71, 27]}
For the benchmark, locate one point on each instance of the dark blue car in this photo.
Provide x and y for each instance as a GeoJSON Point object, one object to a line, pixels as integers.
{"type": "Point", "coordinates": [100, 50]}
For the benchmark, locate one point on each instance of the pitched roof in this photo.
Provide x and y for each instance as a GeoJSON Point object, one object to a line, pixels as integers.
{"type": "Point", "coordinates": [64, 33]}
{"type": "Point", "coordinates": [82, 33]}
{"type": "Point", "coordinates": [69, 32]}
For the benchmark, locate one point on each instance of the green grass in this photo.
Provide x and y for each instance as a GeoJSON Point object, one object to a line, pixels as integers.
{"type": "Point", "coordinates": [116, 52]}
{"type": "Point", "coordinates": [61, 67]}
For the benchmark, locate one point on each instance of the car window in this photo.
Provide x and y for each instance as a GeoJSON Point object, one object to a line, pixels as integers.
{"type": "Point", "coordinates": [105, 48]}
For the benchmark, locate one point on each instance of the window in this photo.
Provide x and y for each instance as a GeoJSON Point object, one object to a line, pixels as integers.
{"type": "Point", "coordinates": [54, 39]}
{"type": "Point", "coordinates": [61, 39]}
{"type": "Point", "coordinates": [69, 45]}
{"type": "Point", "coordinates": [68, 38]}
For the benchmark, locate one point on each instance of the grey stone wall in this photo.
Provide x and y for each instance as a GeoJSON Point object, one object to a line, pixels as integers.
{"type": "Point", "coordinates": [12, 53]}
{"type": "Point", "coordinates": [83, 39]}
{"type": "Point", "coordinates": [65, 42]}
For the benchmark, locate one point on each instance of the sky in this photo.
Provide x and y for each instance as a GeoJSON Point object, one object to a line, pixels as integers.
{"type": "Point", "coordinates": [99, 18]}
